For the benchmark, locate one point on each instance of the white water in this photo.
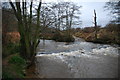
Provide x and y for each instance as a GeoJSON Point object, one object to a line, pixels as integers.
{"type": "Point", "coordinates": [77, 60]}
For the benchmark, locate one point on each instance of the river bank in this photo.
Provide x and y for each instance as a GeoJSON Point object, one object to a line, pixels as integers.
{"type": "Point", "coordinates": [105, 35]}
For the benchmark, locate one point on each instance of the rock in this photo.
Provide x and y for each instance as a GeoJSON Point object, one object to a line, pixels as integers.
{"type": "Point", "coordinates": [82, 52]}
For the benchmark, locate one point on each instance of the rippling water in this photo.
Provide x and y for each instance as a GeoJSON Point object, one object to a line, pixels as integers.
{"type": "Point", "coordinates": [76, 60]}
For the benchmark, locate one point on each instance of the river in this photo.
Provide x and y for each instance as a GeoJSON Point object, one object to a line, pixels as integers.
{"type": "Point", "coordinates": [79, 59]}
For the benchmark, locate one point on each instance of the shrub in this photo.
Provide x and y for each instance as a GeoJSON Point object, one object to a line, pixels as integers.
{"type": "Point", "coordinates": [10, 48]}
{"type": "Point", "coordinates": [57, 37]}
{"type": "Point", "coordinates": [17, 60]}
{"type": "Point", "coordinates": [12, 37]}
{"type": "Point", "coordinates": [14, 68]}
{"type": "Point", "coordinates": [63, 37]}
{"type": "Point", "coordinates": [68, 39]}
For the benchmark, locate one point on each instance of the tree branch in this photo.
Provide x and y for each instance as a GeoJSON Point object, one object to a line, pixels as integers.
{"type": "Point", "coordinates": [13, 7]}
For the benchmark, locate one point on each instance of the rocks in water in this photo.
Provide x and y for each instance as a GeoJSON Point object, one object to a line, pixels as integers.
{"type": "Point", "coordinates": [82, 52]}
{"type": "Point", "coordinates": [74, 56]}
{"type": "Point", "coordinates": [43, 53]}
{"type": "Point", "coordinates": [61, 54]}
{"type": "Point", "coordinates": [66, 43]}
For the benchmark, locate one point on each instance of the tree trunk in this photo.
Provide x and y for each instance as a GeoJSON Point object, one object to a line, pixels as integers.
{"type": "Point", "coordinates": [95, 22]}
{"type": "Point", "coordinates": [28, 42]}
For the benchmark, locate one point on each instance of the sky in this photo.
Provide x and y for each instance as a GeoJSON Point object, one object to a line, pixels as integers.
{"type": "Point", "coordinates": [87, 9]}
{"type": "Point", "coordinates": [87, 15]}
{"type": "Point", "coordinates": [88, 6]}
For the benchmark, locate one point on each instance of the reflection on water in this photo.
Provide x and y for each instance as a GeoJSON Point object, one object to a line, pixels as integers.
{"type": "Point", "coordinates": [76, 60]}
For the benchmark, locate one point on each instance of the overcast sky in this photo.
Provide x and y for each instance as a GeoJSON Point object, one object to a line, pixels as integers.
{"type": "Point", "coordinates": [87, 13]}
{"type": "Point", "coordinates": [87, 9]}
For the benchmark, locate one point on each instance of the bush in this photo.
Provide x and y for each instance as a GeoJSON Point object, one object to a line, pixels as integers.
{"type": "Point", "coordinates": [63, 37]}
{"type": "Point", "coordinates": [57, 37]}
{"type": "Point", "coordinates": [68, 39]}
{"type": "Point", "coordinates": [17, 60]}
{"type": "Point", "coordinates": [10, 48]}
{"type": "Point", "coordinates": [15, 68]}
{"type": "Point", "coordinates": [12, 37]}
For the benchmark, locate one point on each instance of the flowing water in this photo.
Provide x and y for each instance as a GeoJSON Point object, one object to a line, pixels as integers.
{"type": "Point", "coordinates": [79, 59]}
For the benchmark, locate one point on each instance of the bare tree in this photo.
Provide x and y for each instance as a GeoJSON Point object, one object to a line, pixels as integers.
{"type": "Point", "coordinates": [70, 14]}
{"type": "Point", "coordinates": [95, 23]}
{"type": "Point", "coordinates": [28, 37]}
{"type": "Point", "coordinates": [65, 14]}
{"type": "Point", "coordinates": [114, 7]}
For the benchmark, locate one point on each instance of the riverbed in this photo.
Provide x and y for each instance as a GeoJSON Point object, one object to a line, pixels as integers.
{"type": "Point", "coordinates": [79, 59]}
